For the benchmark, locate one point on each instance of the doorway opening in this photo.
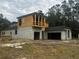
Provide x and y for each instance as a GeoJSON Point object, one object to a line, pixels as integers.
{"type": "Point", "coordinates": [36, 35]}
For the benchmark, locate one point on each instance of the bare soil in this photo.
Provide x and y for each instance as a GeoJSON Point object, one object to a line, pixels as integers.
{"type": "Point", "coordinates": [43, 49]}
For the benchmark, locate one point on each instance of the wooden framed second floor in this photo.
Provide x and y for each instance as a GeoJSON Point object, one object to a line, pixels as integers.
{"type": "Point", "coordinates": [32, 20]}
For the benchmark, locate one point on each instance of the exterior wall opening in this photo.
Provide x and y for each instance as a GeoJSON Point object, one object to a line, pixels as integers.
{"type": "Point", "coordinates": [36, 35]}
{"type": "Point", "coordinates": [36, 19]}
{"type": "Point", "coordinates": [68, 33]}
{"type": "Point", "coordinates": [20, 22]}
{"type": "Point", "coordinates": [54, 36]}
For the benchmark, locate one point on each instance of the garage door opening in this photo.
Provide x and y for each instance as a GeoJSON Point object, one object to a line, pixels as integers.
{"type": "Point", "coordinates": [54, 36]}
{"type": "Point", "coordinates": [36, 35]}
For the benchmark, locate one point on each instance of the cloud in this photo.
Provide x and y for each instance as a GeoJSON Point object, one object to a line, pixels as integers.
{"type": "Point", "coordinates": [14, 8]}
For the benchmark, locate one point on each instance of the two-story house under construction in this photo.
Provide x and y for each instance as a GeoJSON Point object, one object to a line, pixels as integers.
{"type": "Point", "coordinates": [31, 26]}
{"type": "Point", "coordinates": [34, 26]}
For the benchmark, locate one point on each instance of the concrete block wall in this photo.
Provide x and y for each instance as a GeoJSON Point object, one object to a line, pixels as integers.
{"type": "Point", "coordinates": [25, 33]}
{"type": "Point", "coordinates": [45, 35]}
{"type": "Point", "coordinates": [8, 33]}
{"type": "Point", "coordinates": [64, 35]}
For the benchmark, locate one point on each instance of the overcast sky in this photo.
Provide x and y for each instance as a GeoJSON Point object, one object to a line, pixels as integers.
{"type": "Point", "coordinates": [14, 8]}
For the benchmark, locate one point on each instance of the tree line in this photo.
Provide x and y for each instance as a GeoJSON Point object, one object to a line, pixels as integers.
{"type": "Point", "coordinates": [65, 14]}
{"type": "Point", "coordinates": [4, 22]}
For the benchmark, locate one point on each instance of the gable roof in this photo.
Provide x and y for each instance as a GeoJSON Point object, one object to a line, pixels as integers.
{"type": "Point", "coordinates": [30, 14]}
{"type": "Point", "coordinates": [57, 28]}
{"type": "Point", "coordinates": [26, 15]}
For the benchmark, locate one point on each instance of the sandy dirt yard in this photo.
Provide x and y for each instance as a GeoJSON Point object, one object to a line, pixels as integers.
{"type": "Point", "coordinates": [46, 49]}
